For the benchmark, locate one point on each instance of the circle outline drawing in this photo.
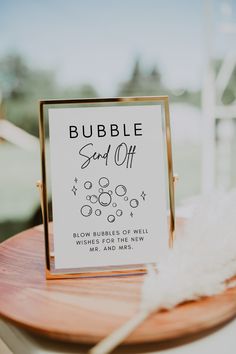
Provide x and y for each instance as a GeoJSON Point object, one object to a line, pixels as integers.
{"type": "Point", "coordinates": [103, 185]}
{"type": "Point", "coordinates": [119, 212]}
{"type": "Point", "coordinates": [111, 218]}
{"type": "Point", "coordinates": [122, 193]}
{"type": "Point", "coordinates": [90, 210]}
{"type": "Point", "coordinates": [104, 204]}
{"type": "Point", "coordinates": [88, 183]}
{"type": "Point", "coordinates": [131, 203]}
{"type": "Point", "coordinates": [98, 212]}
{"type": "Point", "coordinates": [93, 199]}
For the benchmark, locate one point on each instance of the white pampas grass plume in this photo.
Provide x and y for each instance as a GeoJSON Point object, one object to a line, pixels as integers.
{"type": "Point", "coordinates": [202, 260]}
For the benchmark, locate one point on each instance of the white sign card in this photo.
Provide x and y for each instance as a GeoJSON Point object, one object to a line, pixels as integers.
{"type": "Point", "coordinates": [109, 185]}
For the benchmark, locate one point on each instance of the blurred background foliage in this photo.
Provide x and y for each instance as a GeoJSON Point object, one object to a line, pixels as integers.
{"type": "Point", "coordinates": [22, 86]}
{"type": "Point", "coordinates": [151, 48]}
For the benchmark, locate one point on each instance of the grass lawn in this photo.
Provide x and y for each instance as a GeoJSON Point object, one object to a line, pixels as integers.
{"type": "Point", "coordinates": [19, 197]}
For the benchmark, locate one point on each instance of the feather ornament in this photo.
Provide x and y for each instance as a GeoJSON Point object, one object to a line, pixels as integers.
{"type": "Point", "coordinates": [200, 264]}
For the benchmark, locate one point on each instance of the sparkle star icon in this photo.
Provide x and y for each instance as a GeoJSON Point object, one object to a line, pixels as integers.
{"type": "Point", "coordinates": [76, 179]}
{"type": "Point", "coordinates": [74, 190]}
{"type": "Point", "coordinates": [143, 195]}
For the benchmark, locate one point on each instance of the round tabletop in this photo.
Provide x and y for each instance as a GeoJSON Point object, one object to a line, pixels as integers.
{"type": "Point", "coordinates": [88, 309]}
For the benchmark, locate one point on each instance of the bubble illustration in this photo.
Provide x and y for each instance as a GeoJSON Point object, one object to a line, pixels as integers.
{"type": "Point", "coordinates": [86, 210]}
{"type": "Point", "coordinates": [104, 199]}
{"type": "Point", "coordinates": [134, 203]}
{"type": "Point", "coordinates": [119, 212]}
{"type": "Point", "coordinates": [93, 198]}
{"type": "Point", "coordinates": [104, 182]}
{"type": "Point", "coordinates": [120, 190]}
{"type": "Point", "coordinates": [107, 200]}
{"type": "Point", "coordinates": [98, 212]}
{"type": "Point", "coordinates": [87, 185]}
{"type": "Point", "coordinates": [111, 218]}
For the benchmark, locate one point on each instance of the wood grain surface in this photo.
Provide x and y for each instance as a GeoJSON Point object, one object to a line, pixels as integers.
{"type": "Point", "coordinates": [86, 310]}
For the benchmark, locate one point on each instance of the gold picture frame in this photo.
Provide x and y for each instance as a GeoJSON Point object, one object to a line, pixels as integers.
{"type": "Point", "coordinates": [51, 273]}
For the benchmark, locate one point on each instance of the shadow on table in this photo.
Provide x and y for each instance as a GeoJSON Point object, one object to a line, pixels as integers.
{"type": "Point", "coordinates": [60, 347]}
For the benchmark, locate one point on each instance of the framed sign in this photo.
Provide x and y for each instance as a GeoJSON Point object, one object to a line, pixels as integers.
{"type": "Point", "coordinates": [108, 166]}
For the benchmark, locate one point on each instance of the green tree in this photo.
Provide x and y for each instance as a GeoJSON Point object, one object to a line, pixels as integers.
{"type": "Point", "coordinates": [23, 86]}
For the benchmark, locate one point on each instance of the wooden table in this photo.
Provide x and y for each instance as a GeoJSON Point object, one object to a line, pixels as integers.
{"type": "Point", "coordinates": [86, 310]}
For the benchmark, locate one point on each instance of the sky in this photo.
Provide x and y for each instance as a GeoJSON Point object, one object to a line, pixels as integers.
{"type": "Point", "coordinates": [97, 41]}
